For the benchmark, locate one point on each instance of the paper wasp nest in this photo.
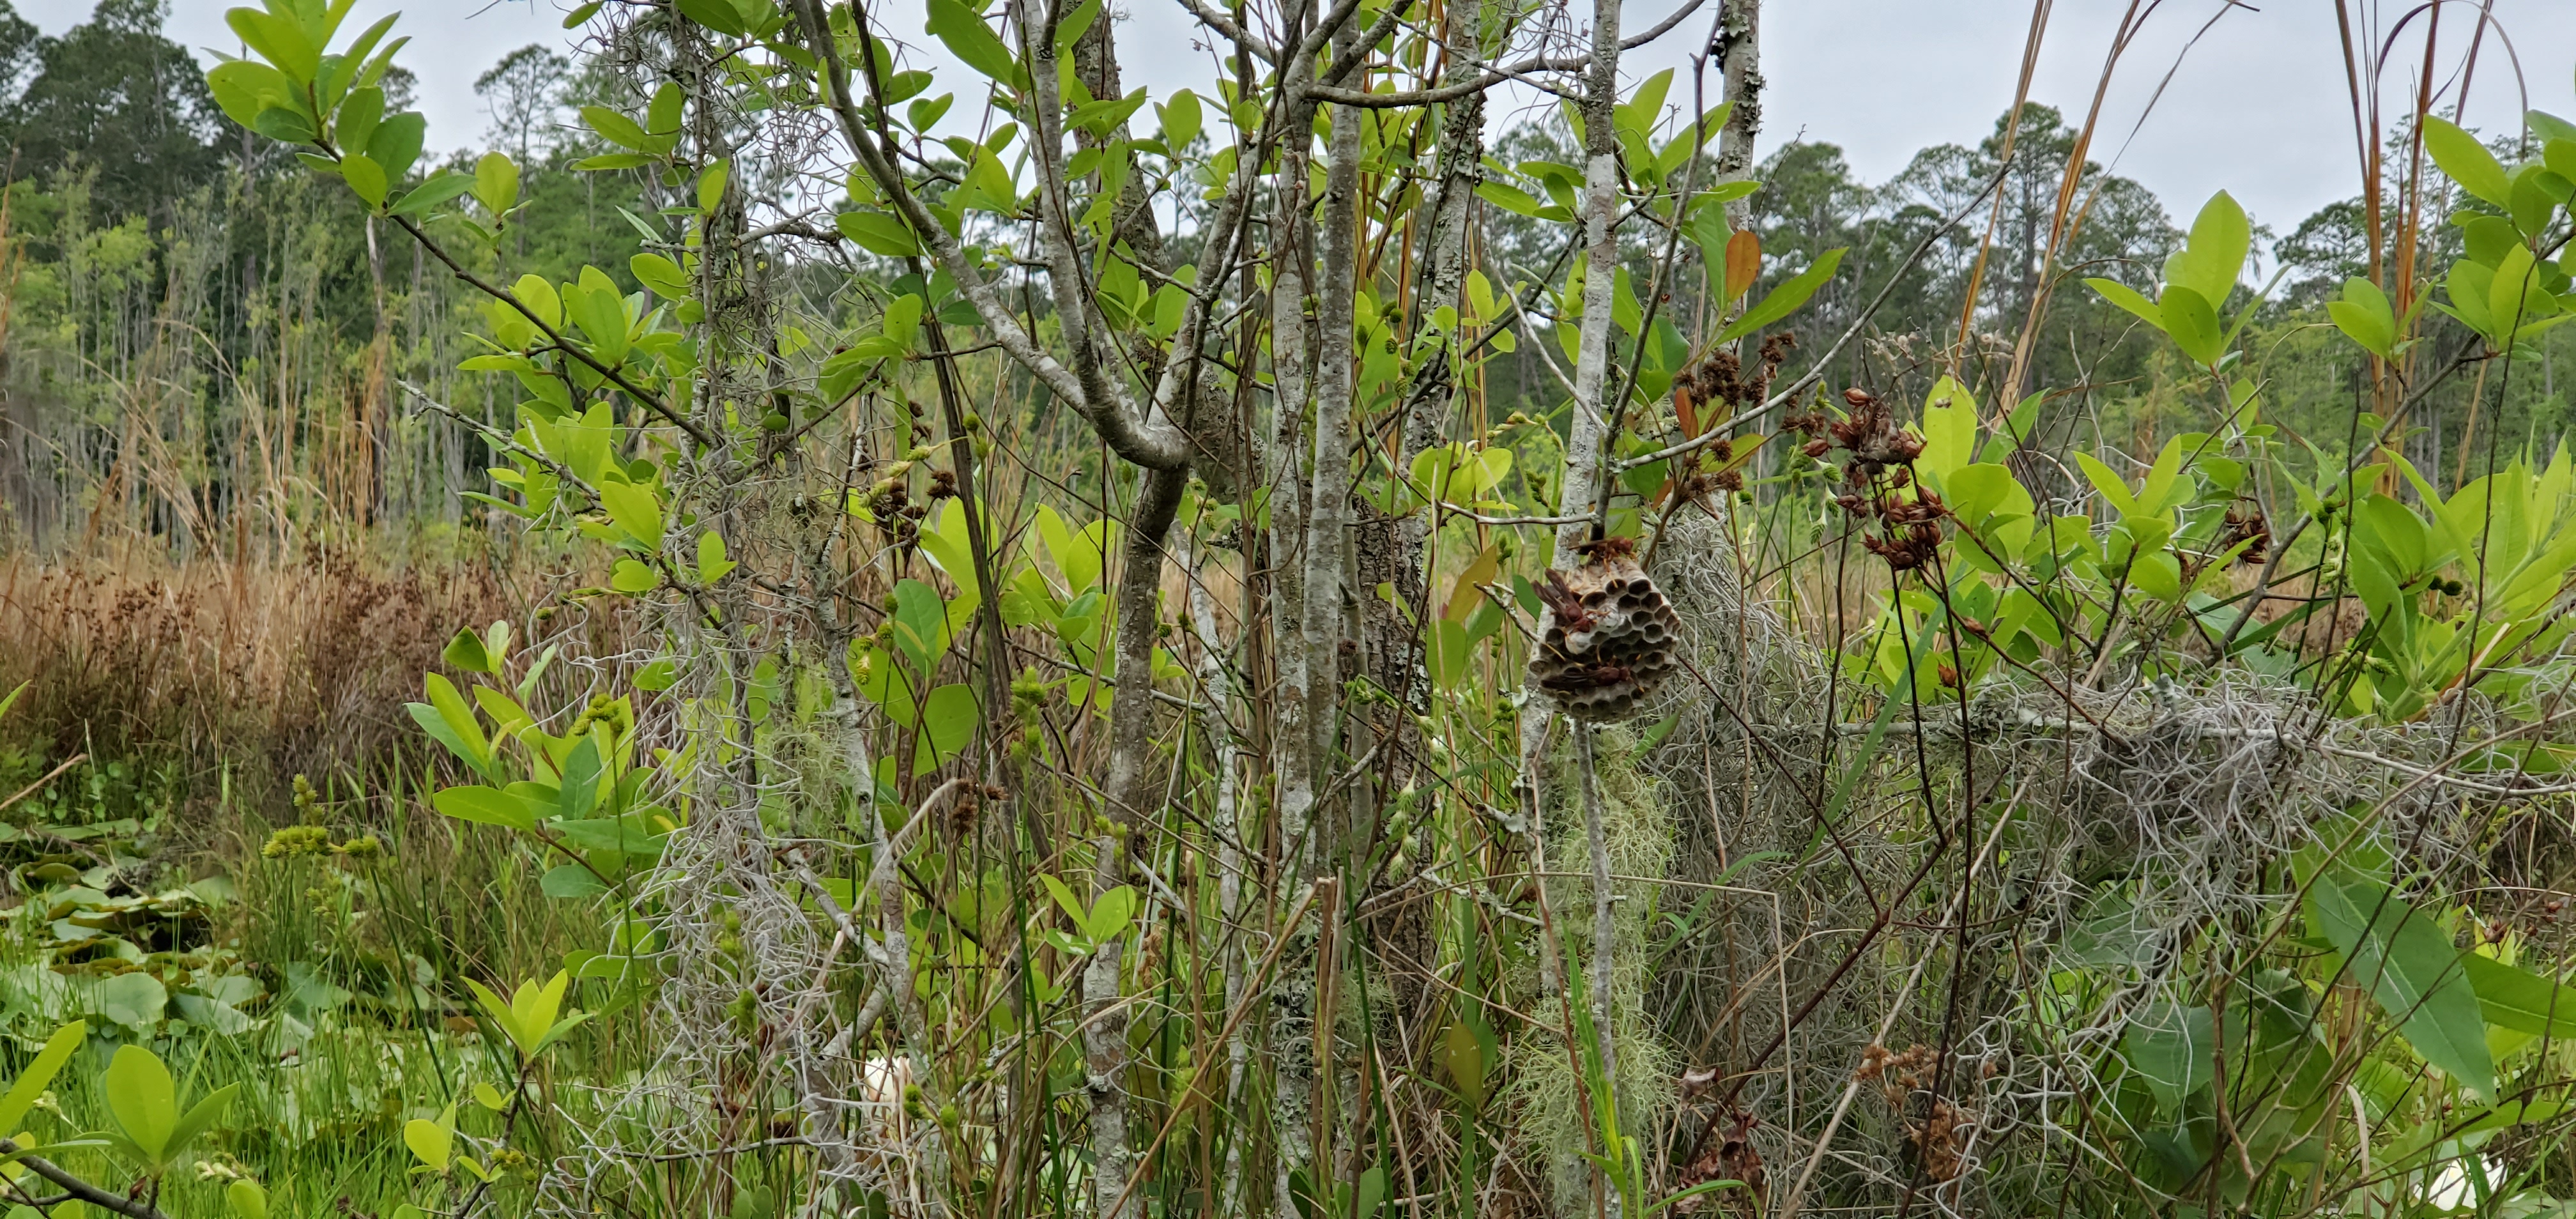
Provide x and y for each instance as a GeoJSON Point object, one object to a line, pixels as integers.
{"type": "Point", "coordinates": [1610, 636]}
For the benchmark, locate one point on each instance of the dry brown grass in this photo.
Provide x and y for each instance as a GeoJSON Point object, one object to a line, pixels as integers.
{"type": "Point", "coordinates": [273, 670]}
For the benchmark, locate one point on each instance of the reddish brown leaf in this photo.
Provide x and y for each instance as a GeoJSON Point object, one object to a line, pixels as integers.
{"type": "Point", "coordinates": [1743, 263]}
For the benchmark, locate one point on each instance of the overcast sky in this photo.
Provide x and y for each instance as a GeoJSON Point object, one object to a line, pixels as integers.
{"type": "Point", "coordinates": [2257, 106]}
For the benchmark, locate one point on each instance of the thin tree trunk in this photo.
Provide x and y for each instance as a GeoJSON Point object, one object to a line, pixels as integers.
{"type": "Point", "coordinates": [1292, 338]}
{"type": "Point", "coordinates": [1605, 926]}
{"type": "Point", "coordinates": [1336, 364]}
{"type": "Point", "coordinates": [1459, 170]}
{"type": "Point", "coordinates": [1131, 785]}
{"type": "Point", "coordinates": [1217, 690]}
{"type": "Point", "coordinates": [1586, 445]}
{"type": "Point", "coordinates": [1739, 44]}
{"type": "Point", "coordinates": [1587, 494]}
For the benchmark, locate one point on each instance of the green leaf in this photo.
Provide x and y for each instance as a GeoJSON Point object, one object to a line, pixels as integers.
{"type": "Point", "coordinates": [1780, 302]}
{"type": "Point", "coordinates": [2115, 490]}
{"type": "Point", "coordinates": [244, 87]}
{"type": "Point", "coordinates": [2130, 299]}
{"type": "Point", "coordinates": [246, 1199]}
{"type": "Point", "coordinates": [711, 183]}
{"type": "Point", "coordinates": [568, 882]}
{"type": "Point", "coordinates": [284, 125]}
{"type": "Point", "coordinates": [662, 118]}
{"type": "Point", "coordinates": [528, 1017]}
{"type": "Point", "coordinates": [1949, 431]}
{"type": "Point", "coordinates": [458, 718]}
{"type": "Point", "coordinates": [2467, 161]}
{"type": "Point", "coordinates": [617, 128]}
{"type": "Point", "coordinates": [2513, 298]}
{"type": "Point", "coordinates": [613, 160]}
{"type": "Point", "coordinates": [632, 577]}
{"type": "Point", "coordinates": [1070, 28]}
{"type": "Point", "coordinates": [1181, 120]}
{"type": "Point", "coordinates": [2215, 255]}
{"type": "Point", "coordinates": [537, 295]}
{"type": "Point", "coordinates": [2469, 285]}
{"type": "Point", "coordinates": [582, 770]}
{"type": "Point", "coordinates": [365, 177]}
{"type": "Point", "coordinates": [972, 41]}
{"type": "Point", "coordinates": [396, 143]}
{"type": "Point", "coordinates": [356, 122]}
{"type": "Point", "coordinates": [2174, 1050]}
{"type": "Point", "coordinates": [718, 15]}
{"type": "Point", "coordinates": [920, 622]}
{"type": "Point", "coordinates": [496, 184]}
{"type": "Point", "coordinates": [435, 190]}
{"type": "Point", "coordinates": [2409, 965]}
{"type": "Point", "coordinates": [1450, 650]}
{"type": "Point", "coordinates": [902, 320]}
{"type": "Point", "coordinates": [143, 1100]}
{"type": "Point", "coordinates": [487, 806]}
{"type": "Point", "coordinates": [659, 273]}
{"type": "Point", "coordinates": [431, 1142]}
{"type": "Point", "coordinates": [1110, 914]}
{"type": "Point", "coordinates": [465, 652]}
{"type": "Point", "coordinates": [600, 309]}
{"type": "Point", "coordinates": [1064, 898]}
{"type": "Point", "coordinates": [1371, 1193]}
{"type": "Point", "coordinates": [946, 542]}
{"type": "Point", "coordinates": [278, 40]}
{"type": "Point", "coordinates": [924, 113]}
{"type": "Point", "coordinates": [712, 563]}
{"type": "Point", "coordinates": [2365, 316]}
{"type": "Point", "coordinates": [1107, 115]}
{"type": "Point", "coordinates": [948, 719]}
{"type": "Point", "coordinates": [39, 1075]}
{"type": "Point", "coordinates": [635, 509]}
{"type": "Point", "coordinates": [2192, 324]}
{"type": "Point", "coordinates": [1510, 198]}
{"type": "Point", "coordinates": [878, 233]}
{"type": "Point", "coordinates": [2510, 997]}
{"type": "Point", "coordinates": [199, 1119]}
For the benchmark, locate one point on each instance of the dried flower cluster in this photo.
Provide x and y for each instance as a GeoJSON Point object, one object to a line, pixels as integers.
{"type": "Point", "coordinates": [1940, 1141]}
{"type": "Point", "coordinates": [1731, 1157]}
{"type": "Point", "coordinates": [1881, 465]}
{"type": "Point", "coordinates": [2245, 523]}
{"type": "Point", "coordinates": [1709, 473]}
{"type": "Point", "coordinates": [1721, 381]}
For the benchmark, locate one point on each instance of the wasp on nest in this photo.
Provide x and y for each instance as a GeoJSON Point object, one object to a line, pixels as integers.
{"type": "Point", "coordinates": [1609, 637]}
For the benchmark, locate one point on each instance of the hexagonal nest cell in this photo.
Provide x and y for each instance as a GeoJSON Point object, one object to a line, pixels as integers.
{"type": "Point", "coordinates": [1610, 638]}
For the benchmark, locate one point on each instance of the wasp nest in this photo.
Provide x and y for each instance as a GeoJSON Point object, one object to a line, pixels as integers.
{"type": "Point", "coordinates": [1610, 635]}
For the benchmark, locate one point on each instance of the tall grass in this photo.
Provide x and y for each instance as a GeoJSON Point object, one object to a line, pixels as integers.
{"type": "Point", "coordinates": [214, 704]}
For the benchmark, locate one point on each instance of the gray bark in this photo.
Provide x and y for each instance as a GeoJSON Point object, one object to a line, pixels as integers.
{"type": "Point", "coordinates": [1585, 489]}
{"type": "Point", "coordinates": [1130, 788]}
{"type": "Point", "coordinates": [1739, 50]}
{"type": "Point", "coordinates": [1216, 690]}
{"type": "Point", "coordinates": [1586, 485]}
{"type": "Point", "coordinates": [1431, 396]}
{"type": "Point", "coordinates": [1292, 994]}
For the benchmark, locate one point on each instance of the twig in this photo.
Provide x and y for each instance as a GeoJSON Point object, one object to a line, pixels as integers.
{"type": "Point", "coordinates": [131, 1208]}
{"type": "Point", "coordinates": [50, 776]}
{"type": "Point", "coordinates": [1816, 371]}
{"type": "Point", "coordinates": [666, 1157]}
